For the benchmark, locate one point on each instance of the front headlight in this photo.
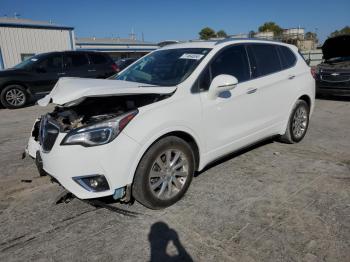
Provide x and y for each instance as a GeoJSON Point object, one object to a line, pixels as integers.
{"type": "Point", "coordinates": [100, 133]}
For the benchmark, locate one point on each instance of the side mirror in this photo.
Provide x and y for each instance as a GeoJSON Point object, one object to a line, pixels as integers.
{"type": "Point", "coordinates": [221, 83]}
{"type": "Point", "coordinates": [308, 61]}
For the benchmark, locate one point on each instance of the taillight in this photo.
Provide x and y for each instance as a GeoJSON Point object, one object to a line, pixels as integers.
{"type": "Point", "coordinates": [313, 72]}
{"type": "Point", "coordinates": [115, 68]}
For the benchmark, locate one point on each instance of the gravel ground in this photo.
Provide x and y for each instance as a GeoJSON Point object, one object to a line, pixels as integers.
{"type": "Point", "coordinates": [272, 202]}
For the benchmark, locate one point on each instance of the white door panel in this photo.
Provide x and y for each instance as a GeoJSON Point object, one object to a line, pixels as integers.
{"type": "Point", "coordinates": [229, 117]}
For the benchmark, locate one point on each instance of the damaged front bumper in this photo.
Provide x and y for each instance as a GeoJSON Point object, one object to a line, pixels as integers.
{"type": "Point", "coordinates": [68, 164]}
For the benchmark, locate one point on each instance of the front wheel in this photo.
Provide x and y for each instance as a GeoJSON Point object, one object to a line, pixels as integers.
{"type": "Point", "coordinates": [14, 96]}
{"type": "Point", "coordinates": [298, 123]}
{"type": "Point", "coordinates": [164, 173]}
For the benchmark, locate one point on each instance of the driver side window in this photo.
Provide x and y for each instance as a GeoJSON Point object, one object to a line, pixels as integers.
{"type": "Point", "coordinates": [232, 61]}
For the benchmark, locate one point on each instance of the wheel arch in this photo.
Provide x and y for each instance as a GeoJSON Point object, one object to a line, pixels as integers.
{"type": "Point", "coordinates": [189, 139]}
{"type": "Point", "coordinates": [179, 132]}
{"type": "Point", "coordinates": [8, 83]}
{"type": "Point", "coordinates": [307, 99]}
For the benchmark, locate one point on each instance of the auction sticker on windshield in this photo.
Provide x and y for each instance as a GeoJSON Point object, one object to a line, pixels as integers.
{"type": "Point", "coordinates": [191, 56]}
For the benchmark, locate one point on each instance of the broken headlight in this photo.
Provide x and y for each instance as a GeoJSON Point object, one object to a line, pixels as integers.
{"type": "Point", "coordinates": [99, 133]}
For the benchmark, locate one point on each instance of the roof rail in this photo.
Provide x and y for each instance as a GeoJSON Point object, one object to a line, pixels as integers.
{"type": "Point", "coordinates": [245, 38]}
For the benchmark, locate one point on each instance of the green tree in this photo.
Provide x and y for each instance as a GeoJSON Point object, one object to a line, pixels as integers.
{"type": "Point", "coordinates": [207, 33]}
{"type": "Point", "coordinates": [221, 33]}
{"type": "Point", "coordinates": [311, 36]}
{"type": "Point", "coordinates": [344, 31]}
{"type": "Point", "coordinates": [271, 26]}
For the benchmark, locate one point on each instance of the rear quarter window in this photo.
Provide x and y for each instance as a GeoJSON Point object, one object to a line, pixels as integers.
{"type": "Point", "coordinates": [264, 59]}
{"type": "Point", "coordinates": [98, 59]}
{"type": "Point", "coordinates": [288, 58]}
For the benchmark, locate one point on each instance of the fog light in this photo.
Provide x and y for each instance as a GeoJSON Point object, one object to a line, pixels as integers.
{"type": "Point", "coordinates": [94, 183]}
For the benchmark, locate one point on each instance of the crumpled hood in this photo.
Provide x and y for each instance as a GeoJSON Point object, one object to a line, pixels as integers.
{"type": "Point", "coordinates": [338, 46]}
{"type": "Point", "coordinates": [74, 90]}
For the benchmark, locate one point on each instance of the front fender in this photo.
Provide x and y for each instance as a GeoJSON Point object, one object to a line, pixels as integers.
{"type": "Point", "coordinates": [147, 143]}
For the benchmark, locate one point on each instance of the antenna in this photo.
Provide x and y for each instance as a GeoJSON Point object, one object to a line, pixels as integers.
{"type": "Point", "coordinates": [17, 15]}
{"type": "Point", "coordinates": [132, 35]}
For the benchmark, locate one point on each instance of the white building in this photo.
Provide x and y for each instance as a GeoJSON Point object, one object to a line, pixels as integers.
{"type": "Point", "coordinates": [265, 35]}
{"type": "Point", "coordinates": [23, 38]}
{"type": "Point", "coordinates": [116, 47]}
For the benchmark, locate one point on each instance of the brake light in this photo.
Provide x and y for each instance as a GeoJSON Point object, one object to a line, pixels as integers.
{"type": "Point", "coordinates": [313, 72]}
{"type": "Point", "coordinates": [115, 68]}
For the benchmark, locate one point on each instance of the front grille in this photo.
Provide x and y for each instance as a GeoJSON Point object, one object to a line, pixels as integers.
{"type": "Point", "coordinates": [48, 133]}
{"type": "Point", "coordinates": [335, 78]}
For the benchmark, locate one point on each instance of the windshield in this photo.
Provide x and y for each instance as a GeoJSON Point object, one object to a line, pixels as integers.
{"type": "Point", "coordinates": [28, 62]}
{"type": "Point", "coordinates": [165, 67]}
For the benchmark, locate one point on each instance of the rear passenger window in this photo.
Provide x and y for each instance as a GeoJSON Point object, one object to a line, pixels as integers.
{"type": "Point", "coordinates": [287, 57]}
{"type": "Point", "coordinates": [76, 60]}
{"type": "Point", "coordinates": [98, 59]}
{"type": "Point", "coordinates": [265, 59]}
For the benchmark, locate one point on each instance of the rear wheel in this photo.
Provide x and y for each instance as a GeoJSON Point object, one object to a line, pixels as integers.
{"type": "Point", "coordinates": [14, 96]}
{"type": "Point", "coordinates": [298, 123]}
{"type": "Point", "coordinates": [164, 173]}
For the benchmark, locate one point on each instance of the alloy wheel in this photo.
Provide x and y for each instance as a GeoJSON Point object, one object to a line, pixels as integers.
{"type": "Point", "coordinates": [300, 121]}
{"type": "Point", "coordinates": [168, 174]}
{"type": "Point", "coordinates": [15, 97]}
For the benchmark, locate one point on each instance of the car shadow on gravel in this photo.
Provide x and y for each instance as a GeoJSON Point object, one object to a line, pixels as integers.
{"type": "Point", "coordinates": [29, 104]}
{"type": "Point", "coordinates": [66, 197]}
{"type": "Point", "coordinates": [236, 154]}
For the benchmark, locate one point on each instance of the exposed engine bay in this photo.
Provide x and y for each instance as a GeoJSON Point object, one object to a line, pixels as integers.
{"type": "Point", "coordinates": [96, 109]}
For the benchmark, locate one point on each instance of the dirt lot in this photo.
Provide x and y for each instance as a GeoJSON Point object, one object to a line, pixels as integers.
{"type": "Point", "coordinates": [273, 202]}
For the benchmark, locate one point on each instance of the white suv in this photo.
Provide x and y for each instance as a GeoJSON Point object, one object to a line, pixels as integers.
{"type": "Point", "coordinates": [144, 133]}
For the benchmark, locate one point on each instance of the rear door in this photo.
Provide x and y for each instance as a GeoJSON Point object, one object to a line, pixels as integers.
{"type": "Point", "coordinates": [271, 86]}
{"type": "Point", "coordinates": [101, 65]}
{"type": "Point", "coordinates": [76, 64]}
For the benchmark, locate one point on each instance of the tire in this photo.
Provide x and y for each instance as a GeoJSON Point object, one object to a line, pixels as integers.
{"type": "Point", "coordinates": [14, 96]}
{"type": "Point", "coordinates": [298, 123]}
{"type": "Point", "coordinates": [155, 175]}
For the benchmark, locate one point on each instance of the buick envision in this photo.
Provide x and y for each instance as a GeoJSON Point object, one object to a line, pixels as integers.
{"type": "Point", "coordinates": [143, 134]}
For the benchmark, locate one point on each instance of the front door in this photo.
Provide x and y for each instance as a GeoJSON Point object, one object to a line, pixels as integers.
{"type": "Point", "coordinates": [230, 119]}
{"type": "Point", "coordinates": [46, 73]}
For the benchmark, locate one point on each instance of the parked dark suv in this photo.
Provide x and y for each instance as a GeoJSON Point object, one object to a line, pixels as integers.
{"type": "Point", "coordinates": [333, 75]}
{"type": "Point", "coordinates": [37, 75]}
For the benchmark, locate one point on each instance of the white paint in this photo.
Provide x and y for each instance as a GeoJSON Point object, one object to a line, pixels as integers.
{"type": "Point", "coordinates": [69, 89]}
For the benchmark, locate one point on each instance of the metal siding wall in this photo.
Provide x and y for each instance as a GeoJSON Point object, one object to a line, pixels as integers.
{"type": "Point", "coordinates": [17, 41]}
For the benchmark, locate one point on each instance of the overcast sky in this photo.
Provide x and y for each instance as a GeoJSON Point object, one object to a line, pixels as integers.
{"type": "Point", "coordinates": [181, 19]}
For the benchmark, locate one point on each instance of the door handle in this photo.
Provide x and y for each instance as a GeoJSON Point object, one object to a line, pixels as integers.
{"type": "Point", "coordinates": [291, 77]}
{"type": "Point", "coordinates": [251, 90]}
